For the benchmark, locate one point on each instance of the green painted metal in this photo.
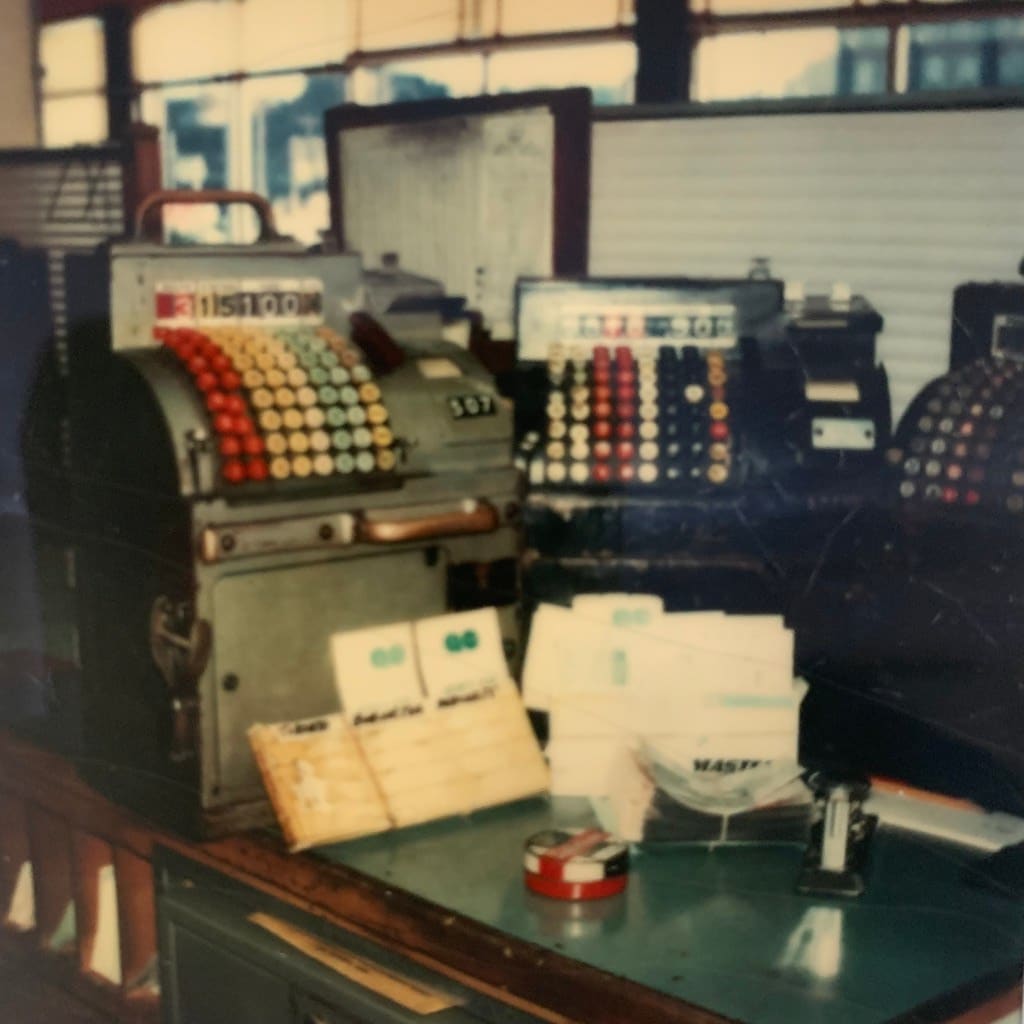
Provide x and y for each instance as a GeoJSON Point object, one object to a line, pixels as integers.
{"type": "Point", "coordinates": [723, 928]}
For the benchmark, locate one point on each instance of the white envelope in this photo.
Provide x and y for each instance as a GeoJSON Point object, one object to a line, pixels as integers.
{"type": "Point", "coordinates": [461, 653]}
{"type": "Point", "coordinates": [375, 670]}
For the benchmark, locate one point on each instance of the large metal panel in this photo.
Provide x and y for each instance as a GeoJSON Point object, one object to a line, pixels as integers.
{"type": "Point", "coordinates": [901, 205]}
{"type": "Point", "coordinates": [271, 630]}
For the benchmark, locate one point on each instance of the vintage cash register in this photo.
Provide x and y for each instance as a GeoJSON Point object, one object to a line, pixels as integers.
{"type": "Point", "coordinates": [692, 438]}
{"type": "Point", "coordinates": [911, 634]}
{"type": "Point", "coordinates": [248, 481]}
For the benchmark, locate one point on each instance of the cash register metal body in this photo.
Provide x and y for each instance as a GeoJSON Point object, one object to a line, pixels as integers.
{"type": "Point", "coordinates": [246, 481]}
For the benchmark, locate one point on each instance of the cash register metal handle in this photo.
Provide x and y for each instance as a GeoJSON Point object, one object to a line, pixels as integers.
{"type": "Point", "coordinates": [481, 517]}
{"type": "Point", "coordinates": [174, 197]}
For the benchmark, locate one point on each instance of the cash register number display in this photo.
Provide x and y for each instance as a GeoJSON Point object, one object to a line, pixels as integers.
{"type": "Point", "coordinates": [691, 438]}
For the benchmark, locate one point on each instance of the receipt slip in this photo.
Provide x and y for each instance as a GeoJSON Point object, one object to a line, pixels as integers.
{"type": "Point", "coordinates": [584, 765]}
{"type": "Point", "coordinates": [439, 721]}
{"type": "Point", "coordinates": [573, 653]}
{"type": "Point", "coordinates": [740, 653]}
{"type": "Point", "coordinates": [628, 610]}
{"type": "Point", "coordinates": [375, 673]}
{"type": "Point", "coordinates": [460, 655]}
{"type": "Point", "coordinates": [731, 713]}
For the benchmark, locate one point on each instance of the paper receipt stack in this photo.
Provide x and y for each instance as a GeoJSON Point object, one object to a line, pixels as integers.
{"type": "Point", "coordinates": [701, 707]}
{"type": "Point", "coordinates": [431, 725]}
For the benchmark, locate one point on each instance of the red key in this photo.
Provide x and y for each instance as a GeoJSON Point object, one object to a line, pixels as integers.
{"type": "Point", "coordinates": [601, 472]}
{"type": "Point", "coordinates": [624, 451]}
{"type": "Point", "coordinates": [972, 497]}
{"type": "Point", "coordinates": [602, 375]}
{"type": "Point", "coordinates": [601, 354]}
{"type": "Point", "coordinates": [719, 430]}
{"type": "Point", "coordinates": [625, 431]}
{"type": "Point", "coordinates": [601, 393]}
{"type": "Point", "coordinates": [230, 447]}
{"type": "Point", "coordinates": [233, 471]}
{"type": "Point", "coordinates": [256, 469]}
{"type": "Point", "coordinates": [252, 444]}
{"type": "Point", "coordinates": [950, 495]}
{"type": "Point", "coordinates": [230, 380]}
{"type": "Point", "coordinates": [206, 381]}
{"type": "Point", "coordinates": [216, 401]}
{"type": "Point", "coordinates": [244, 425]}
{"type": "Point", "coordinates": [602, 410]}
{"type": "Point", "coordinates": [224, 423]}
{"type": "Point", "coordinates": [220, 362]}
{"type": "Point", "coordinates": [625, 410]}
{"type": "Point", "coordinates": [626, 472]}
{"type": "Point", "coordinates": [235, 405]}
{"type": "Point", "coordinates": [601, 429]}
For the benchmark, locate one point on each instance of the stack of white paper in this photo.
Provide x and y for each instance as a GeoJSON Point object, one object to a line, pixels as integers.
{"type": "Point", "coordinates": [705, 702]}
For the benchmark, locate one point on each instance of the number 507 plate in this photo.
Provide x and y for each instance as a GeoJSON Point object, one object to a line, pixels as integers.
{"type": "Point", "coordinates": [464, 407]}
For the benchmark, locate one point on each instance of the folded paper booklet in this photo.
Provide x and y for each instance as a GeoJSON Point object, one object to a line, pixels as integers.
{"type": "Point", "coordinates": [318, 781]}
{"type": "Point", "coordinates": [437, 723]}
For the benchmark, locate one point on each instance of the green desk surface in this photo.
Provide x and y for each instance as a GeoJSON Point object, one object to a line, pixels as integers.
{"type": "Point", "coordinates": [722, 928]}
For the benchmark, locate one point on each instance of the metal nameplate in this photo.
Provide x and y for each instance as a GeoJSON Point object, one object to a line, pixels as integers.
{"type": "Point", "coordinates": [830, 433]}
{"type": "Point", "coordinates": [465, 407]}
{"type": "Point", "coordinates": [245, 540]}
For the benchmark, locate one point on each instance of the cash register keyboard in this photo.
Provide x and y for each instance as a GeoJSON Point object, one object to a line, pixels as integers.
{"type": "Point", "coordinates": [961, 443]}
{"type": "Point", "coordinates": [286, 403]}
{"type": "Point", "coordinates": [622, 418]}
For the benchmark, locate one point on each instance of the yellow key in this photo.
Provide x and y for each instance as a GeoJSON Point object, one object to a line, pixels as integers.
{"type": "Point", "coordinates": [280, 468]}
{"type": "Point", "coordinates": [298, 442]}
{"type": "Point", "coordinates": [277, 444]}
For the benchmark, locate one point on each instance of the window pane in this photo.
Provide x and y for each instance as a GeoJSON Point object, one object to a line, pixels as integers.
{"type": "Point", "coordinates": [289, 159]}
{"type": "Point", "coordinates": [774, 65]}
{"type": "Point", "coordinates": [195, 137]}
{"type": "Point", "coordinates": [71, 55]}
{"type": "Point", "coordinates": [609, 69]}
{"type": "Point", "coordinates": [382, 26]}
{"type": "Point", "coordinates": [967, 54]}
{"type": "Point", "coordinates": [274, 37]}
{"type": "Point", "coordinates": [863, 61]}
{"type": "Point", "coordinates": [187, 40]}
{"type": "Point", "coordinates": [432, 78]}
{"type": "Point", "coordinates": [519, 17]}
{"type": "Point", "coordinates": [74, 120]}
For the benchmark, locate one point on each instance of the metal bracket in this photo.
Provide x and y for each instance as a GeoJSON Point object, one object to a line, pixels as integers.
{"type": "Point", "coordinates": [180, 645]}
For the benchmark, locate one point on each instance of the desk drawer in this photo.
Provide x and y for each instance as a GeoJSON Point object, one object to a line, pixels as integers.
{"type": "Point", "coordinates": [231, 953]}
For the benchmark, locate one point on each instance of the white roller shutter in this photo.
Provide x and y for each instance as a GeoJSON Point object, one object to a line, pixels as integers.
{"type": "Point", "coordinates": [902, 206]}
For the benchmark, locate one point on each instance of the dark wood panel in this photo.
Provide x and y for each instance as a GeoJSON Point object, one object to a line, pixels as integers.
{"type": "Point", "coordinates": [50, 841]}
